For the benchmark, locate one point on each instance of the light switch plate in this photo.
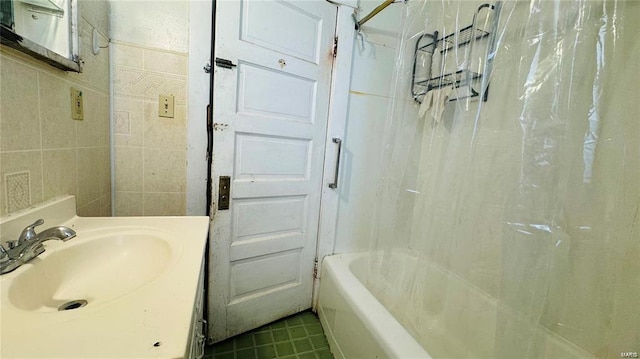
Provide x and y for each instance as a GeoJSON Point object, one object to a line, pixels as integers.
{"type": "Point", "coordinates": [77, 108]}
{"type": "Point", "coordinates": [165, 106]}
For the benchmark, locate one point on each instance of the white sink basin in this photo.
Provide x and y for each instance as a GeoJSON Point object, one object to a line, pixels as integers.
{"type": "Point", "coordinates": [95, 267]}
{"type": "Point", "coordinates": [138, 276]}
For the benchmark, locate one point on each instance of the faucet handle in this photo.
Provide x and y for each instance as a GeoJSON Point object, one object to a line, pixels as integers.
{"type": "Point", "coordinates": [4, 256]}
{"type": "Point", "coordinates": [28, 233]}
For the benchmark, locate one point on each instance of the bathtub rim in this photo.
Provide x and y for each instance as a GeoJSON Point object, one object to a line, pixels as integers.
{"type": "Point", "coordinates": [392, 337]}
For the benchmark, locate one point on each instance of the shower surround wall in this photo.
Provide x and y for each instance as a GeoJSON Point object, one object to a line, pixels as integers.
{"type": "Point", "coordinates": [534, 202]}
{"type": "Point", "coordinates": [373, 68]}
{"type": "Point", "coordinates": [43, 152]}
{"type": "Point", "coordinates": [149, 45]}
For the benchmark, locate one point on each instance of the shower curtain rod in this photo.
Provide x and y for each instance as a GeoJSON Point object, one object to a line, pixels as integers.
{"type": "Point", "coordinates": [373, 13]}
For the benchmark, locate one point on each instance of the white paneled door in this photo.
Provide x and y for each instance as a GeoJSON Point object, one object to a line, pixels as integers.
{"type": "Point", "coordinates": [270, 111]}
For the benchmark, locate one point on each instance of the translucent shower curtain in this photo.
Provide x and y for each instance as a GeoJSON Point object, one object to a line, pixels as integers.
{"type": "Point", "coordinates": [518, 218]}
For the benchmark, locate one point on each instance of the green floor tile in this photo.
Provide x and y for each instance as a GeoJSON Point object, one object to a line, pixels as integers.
{"type": "Point", "coordinates": [284, 348]}
{"type": "Point", "coordinates": [223, 347]}
{"type": "Point", "coordinates": [302, 345]}
{"type": "Point", "coordinates": [262, 338]}
{"type": "Point", "coordinates": [244, 341]}
{"type": "Point", "coordinates": [307, 355]}
{"type": "Point", "coordinates": [319, 342]}
{"type": "Point", "coordinates": [279, 324]}
{"type": "Point", "coordinates": [297, 332]}
{"type": "Point", "coordinates": [296, 337]}
{"type": "Point", "coordinates": [308, 318]}
{"type": "Point", "coordinates": [266, 352]}
{"type": "Point", "coordinates": [314, 329]}
{"type": "Point", "coordinates": [229, 355]}
{"type": "Point", "coordinates": [280, 335]}
{"type": "Point", "coordinates": [264, 328]}
{"type": "Point", "coordinates": [248, 353]}
{"type": "Point", "coordinates": [324, 354]}
{"type": "Point", "coordinates": [294, 321]}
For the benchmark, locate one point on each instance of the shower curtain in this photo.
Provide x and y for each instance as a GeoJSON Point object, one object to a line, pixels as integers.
{"type": "Point", "coordinates": [532, 198]}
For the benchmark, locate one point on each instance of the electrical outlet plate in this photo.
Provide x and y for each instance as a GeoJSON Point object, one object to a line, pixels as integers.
{"type": "Point", "coordinates": [165, 106]}
{"type": "Point", "coordinates": [77, 108]}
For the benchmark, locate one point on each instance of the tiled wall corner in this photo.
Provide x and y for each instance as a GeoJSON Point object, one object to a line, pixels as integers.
{"type": "Point", "coordinates": [150, 151]}
{"type": "Point", "coordinates": [38, 139]}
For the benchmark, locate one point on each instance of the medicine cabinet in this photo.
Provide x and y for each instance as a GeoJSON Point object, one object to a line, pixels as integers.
{"type": "Point", "coordinates": [44, 29]}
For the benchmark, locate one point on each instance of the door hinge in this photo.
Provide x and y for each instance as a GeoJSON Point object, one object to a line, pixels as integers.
{"type": "Point", "coordinates": [315, 268]}
{"type": "Point", "coordinates": [335, 46]}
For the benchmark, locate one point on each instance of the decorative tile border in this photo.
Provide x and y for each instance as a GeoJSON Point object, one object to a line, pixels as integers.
{"type": "Point", "coordinates": [122, 122]}
{"type": "Point", "coordinates": [18, 193]}
{"type": "Point", "coordinates": [146, 85]}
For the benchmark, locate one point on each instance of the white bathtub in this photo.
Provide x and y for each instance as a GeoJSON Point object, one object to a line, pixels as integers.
{"type": "Point", "coordinates": [356, 324]}
{"type": "Point", "coordinates": [453, 320]}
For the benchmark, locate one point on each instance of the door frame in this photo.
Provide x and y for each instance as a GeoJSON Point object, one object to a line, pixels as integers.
{"type": "Point", "coordinates": [199, 97]}
{"type": "Point", "coordinates": [336, 128]}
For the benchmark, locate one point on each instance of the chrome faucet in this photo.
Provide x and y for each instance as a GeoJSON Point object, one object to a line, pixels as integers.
{"type": "Point", "coordinates": [29, 245]}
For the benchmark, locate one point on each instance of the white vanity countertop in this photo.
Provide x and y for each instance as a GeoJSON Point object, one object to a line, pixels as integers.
{"type": "Point", "coordinates": [138, 274]}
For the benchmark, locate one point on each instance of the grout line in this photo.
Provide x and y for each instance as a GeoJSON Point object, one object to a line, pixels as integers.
{"type": "Point", "coordinates": [34, 65]}
{"type": "Point", "coordinates": [175, 149]}
{"type": "Point", "coordinates": [112, 141]}
{"type": "Point", "coordinates": [129, 44]}
{"type": "Point", "coordinates": [144, 120]}
{"type": "Point", "coordinates": [41, 151]}
{"type": "Point", "coordinates": [20, 151]}
{"type": "Point", "coordinates": [75, 128]}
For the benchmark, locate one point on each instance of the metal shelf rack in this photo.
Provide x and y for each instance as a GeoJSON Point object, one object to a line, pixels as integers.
{"type": "Point", "coordinates": [428, 44]}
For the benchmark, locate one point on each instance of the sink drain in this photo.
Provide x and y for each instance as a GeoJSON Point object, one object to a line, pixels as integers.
{"type": "Point", "coordinates": [74, 304]}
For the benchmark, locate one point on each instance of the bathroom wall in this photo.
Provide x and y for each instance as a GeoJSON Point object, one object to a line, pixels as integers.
{"type": "Point", "coordinates": [150, 58]}
{"type": "Point", "coordinates": [372, 71]}
{"type": "Point", "coordinates": [43, 152]}
{"type": "Point", "coordinates": [371, 89]}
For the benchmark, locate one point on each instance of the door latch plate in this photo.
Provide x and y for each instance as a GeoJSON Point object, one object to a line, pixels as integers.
{"type": "Point", "coordinates": [224, 190]}
{"type": "Point", "coordinates": [224, 63]}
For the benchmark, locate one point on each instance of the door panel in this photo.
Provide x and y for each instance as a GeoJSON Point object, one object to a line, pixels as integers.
{"type": "Point", "coordinates": [268, 217]}
{"type": "Point", "coordinates": [299, 32]}
{"type": "Point", "coordinates": [263, 274]}
{"type": "Point", "coordinates": [264, 157]}
{"type": "Point", "coordinates": [300, 93]}
{"type": "Point", "coordinates": [270, 122]}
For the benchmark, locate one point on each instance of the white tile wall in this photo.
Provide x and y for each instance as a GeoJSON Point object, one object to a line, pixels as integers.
{"type": "Point", "coordinates": [43, 152]}
{"type": "Point", "coordinates": [150, 151]}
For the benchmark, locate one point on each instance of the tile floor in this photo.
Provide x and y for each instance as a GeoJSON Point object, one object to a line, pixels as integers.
{"type": "Point", "coordinates": [299, 336]}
